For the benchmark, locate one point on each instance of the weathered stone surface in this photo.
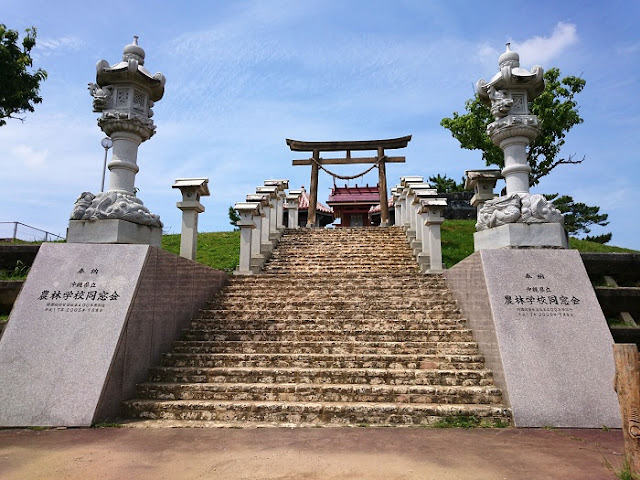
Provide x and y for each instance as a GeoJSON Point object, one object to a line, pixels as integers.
{"type": "Point", "coordinates": [540, 319]}
{"type": "Point", "coordinates": [341, 329]}
{"type": "Point", "coordinates": [113, 231]}
{"type": "Point", "coordinates": [518, 235]}
{"type": "Point", "coordinates": [88, 323]}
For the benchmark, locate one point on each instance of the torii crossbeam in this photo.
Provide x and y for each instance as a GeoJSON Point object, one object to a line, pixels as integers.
{"type": "Point", "coordinates": [379, 146]}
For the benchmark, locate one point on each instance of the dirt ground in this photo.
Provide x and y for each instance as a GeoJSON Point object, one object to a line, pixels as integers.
{"type": "Point", "coordinates": [309, 453]}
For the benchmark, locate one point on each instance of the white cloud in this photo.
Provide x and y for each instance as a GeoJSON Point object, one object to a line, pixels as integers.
{"type": "Point", "coordinates": [535, 50]}
{"type": "Point", "coordinates": [542, 50]}
{"type": "Point", "coordinates": [50, 46]}
{"type": "Point", "coordinates": [29, 156]}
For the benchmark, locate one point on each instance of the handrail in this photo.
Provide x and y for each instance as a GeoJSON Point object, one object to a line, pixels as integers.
{"type": "Point", "coordinates": [46, 233]}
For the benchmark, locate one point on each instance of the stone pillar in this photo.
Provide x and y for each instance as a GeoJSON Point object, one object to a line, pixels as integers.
{"type": "Point", "coordinates": [420, 194]}
{"type": "Point", "coordinates": [411, 190]}
{"type": "Point", "coordinates": [293, 201]}
{"type": "Point", "coordinates": [313, 190]}
{"type": "Point", "coordinates": [266, 245]}
{"type": "Point", "coordinates": [382, 186]}
{"type": "Point", "coordinates": [274, 233]}
{"type": "Point", "coordinates": [433, 210]}
{"type": "Point", "coordinates": [124, 94]}
{"type": "Point", "coordinates": [192, 189]}
{"type": "Point", "coordinates": [396, 206]}
{"type": "Point", "coordinates": [482, 182]}
{"type": "Point", "coordinates": [246, 210]}
{"type": "Point", "coordinates": [281, 196]}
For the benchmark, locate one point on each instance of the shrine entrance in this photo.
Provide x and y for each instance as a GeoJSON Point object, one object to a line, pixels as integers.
{"type": "Point", "coordinates": [379, 162]}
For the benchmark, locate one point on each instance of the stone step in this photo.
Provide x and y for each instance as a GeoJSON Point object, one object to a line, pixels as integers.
{"type": "Point", "coordinates": [352, 294]}
{"type": "Point", "coordinates": [373, 304]}
{"type": "Point", "coordinates": [300, 360]}
{"type": "Point", "coordinates": [331, 347]}
{"type": "Point", "coordinates": [355, 376]}
{"type": "Point", "coordinates": [258, 314]}
{"type": "Point", "coordinates": [460, 335]}
{"type": "Point", "coordinates": [293, 392]}
{"type": "Point", "coordinates": [213, 324]}
{"type": "Point", "coordinates": [319, 413]}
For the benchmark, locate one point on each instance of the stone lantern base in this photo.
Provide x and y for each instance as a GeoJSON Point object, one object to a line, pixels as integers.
{"type": "Point", "coordinates": [521, 235]}
{"type": "Point", "coordinates": [113, 231]}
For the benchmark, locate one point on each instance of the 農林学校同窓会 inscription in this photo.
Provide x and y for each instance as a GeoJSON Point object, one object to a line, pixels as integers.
{"type": "Point", "coordinates": [85, 293]}
{"type": "Point", "coordinates": [538, 299]}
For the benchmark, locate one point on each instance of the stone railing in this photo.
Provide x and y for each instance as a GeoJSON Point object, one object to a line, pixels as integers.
{"type": "Point", "coordinates": [418, 210]}
{"type": "Point", "coordinates": [261, 223]}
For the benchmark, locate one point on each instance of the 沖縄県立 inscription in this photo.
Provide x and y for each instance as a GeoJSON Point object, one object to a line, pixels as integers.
{"type": "Point", "coordinates": [86, 292]}
{"type": "Point", "coordinates": [536, 297]}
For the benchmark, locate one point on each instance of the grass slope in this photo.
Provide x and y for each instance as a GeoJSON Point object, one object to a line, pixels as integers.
{"type": "Point", "coordinates": [219, 250]}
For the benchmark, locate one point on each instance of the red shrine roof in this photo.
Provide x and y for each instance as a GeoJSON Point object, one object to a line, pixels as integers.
{"type": "Point", "coordinates": [354, 195]}
{"type": "Point", "coordinates": [377, 209]}
{"type": "Point", "coordinates": [304, 203]}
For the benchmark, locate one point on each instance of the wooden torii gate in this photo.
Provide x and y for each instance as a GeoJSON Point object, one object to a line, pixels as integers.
{"type": "Point", "coordinates": [380, 160]}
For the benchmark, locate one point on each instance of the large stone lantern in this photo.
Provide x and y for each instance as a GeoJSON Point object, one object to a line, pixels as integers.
{"type": "Point", "coordinates": [518, 219]}
{"type": "Point", "coordinates": [124, 93]}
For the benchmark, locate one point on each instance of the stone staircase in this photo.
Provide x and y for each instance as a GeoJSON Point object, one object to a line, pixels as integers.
{"type": "Point", "coordinates": [340, 329]}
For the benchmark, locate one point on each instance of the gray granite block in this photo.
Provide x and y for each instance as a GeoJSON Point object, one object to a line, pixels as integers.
{"type": "Point", "coordinates": [72, 361]}
{"type": "Point", "coordinates": [545, 335]}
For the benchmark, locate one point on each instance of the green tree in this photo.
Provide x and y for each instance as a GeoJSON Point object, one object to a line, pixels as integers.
{"type": "Point", "coordinates": [557, 110]}
{"type": "Point", "coordinates": [579, 217]}
{"type": "Point", "coordinates": [18, 86]}
{"type": "Point", "coordinates": [445, 184]}
{"type": "Point", "coordinates": [234, 218]}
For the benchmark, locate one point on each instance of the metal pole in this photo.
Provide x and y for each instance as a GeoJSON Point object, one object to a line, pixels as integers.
{"type": "Point", "coordinates": [15, 231]}
{"type": "Point", "coordinates": [106, 143]}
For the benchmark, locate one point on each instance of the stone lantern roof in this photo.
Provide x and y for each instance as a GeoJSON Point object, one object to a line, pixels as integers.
{"type": "Point", "coordinates": [131, 70]}
{"type": "Point", "coordinates": [511, 77]}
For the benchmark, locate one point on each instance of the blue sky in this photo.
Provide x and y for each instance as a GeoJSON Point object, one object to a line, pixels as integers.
{"type": "Point", "coordinates": [244, 75]}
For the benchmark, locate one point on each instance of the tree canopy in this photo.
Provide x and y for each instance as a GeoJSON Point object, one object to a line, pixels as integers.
{"type": "Point", "coordinates": [579, 217]}
{"type": "Point", "coordinates": [19, 88]}
{"type": "Point", "coordinates": [557, 111]}
{"type": "Point", "coordinates": [445, 184]}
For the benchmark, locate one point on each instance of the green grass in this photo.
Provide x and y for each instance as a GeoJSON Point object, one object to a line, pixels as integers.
{"type": "Point", "coordinates": [4, 318]}
{"type": "Point", "coordinates": [457, 242]}
{"type": "Point", "coordinates": [468, 421]}
{"type": "Point", "coordinates": [585, 246]}
{"type": "Point", "coordinates": [219, 250]}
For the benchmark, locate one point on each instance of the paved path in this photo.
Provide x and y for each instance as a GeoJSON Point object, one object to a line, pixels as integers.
{"type": "Point", "coordinates": [309, 453]}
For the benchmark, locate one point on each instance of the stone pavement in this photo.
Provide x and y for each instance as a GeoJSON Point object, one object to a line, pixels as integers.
{"type": "Point", "coordinates": [309, 453]}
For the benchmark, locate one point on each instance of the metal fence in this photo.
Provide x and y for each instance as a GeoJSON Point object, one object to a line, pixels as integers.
{"type": "Point", "coordinates": [12, 231]}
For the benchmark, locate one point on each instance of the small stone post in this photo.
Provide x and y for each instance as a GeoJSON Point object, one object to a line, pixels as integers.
{"type": "Point", "coordinates": [433, 209]}
{"type": "Point", "coordinates": [396, 205]}
{"type": "Point", "coordinates": [293, 201]}
{"type": "Point", "coordinates": [482, 182]}
{"type": "Point", "coordinates": [247, 211]}
{"type": "Point", "coordinates": [124, 94]}
{"type": "Point", "coordinates": [192, 189]}
{"type": "Point", "coordinates": [282, 186]}
{"type": "Point", "coordinates": [274, 233]}
{"type": "Point", "coordinates": [412, 209]}
{"type": "Point", "coordinates": [266, 245]}
{"type": "Point", "coordinates": [418, 245]}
